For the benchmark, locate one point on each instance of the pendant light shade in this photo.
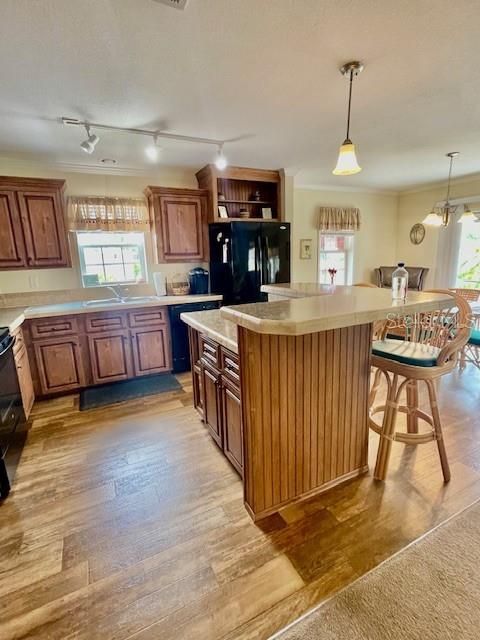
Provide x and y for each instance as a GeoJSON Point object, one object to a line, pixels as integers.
{"type": "Point", "coordinates": [432, 220]}
{"type": "Point", "coordinates": [347, 164]}
{"type": "Point", "coordinates": [441, 216]}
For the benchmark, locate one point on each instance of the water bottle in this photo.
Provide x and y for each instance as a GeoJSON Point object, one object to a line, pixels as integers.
{"type": "Point", "coordinates": [399, 282]}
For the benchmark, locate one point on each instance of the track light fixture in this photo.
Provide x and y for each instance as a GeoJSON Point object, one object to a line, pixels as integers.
{"type": "Point", "coordinates": [90, 143]}
{"type": "Point", "coordinates": [151, 151]}
{"type": "Point", "coordinates": [220, 160]}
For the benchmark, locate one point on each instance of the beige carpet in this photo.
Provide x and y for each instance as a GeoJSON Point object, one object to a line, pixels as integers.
{"type": "Point", "coordinates": [428, 591]}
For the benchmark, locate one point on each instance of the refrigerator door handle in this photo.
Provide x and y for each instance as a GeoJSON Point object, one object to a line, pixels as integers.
{"type": "Point", "coordinates": [259, 264]}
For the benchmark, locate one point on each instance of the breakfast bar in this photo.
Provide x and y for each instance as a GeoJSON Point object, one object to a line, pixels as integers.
{"type": "Point", "coordinates": [304, 373]}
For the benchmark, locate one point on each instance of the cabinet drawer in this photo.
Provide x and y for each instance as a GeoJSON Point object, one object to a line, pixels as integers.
{"type": "Point", "coordinates": [230, 366]}
{"type": "Point", "coordinates": [106, 321]}
{"type": "Point", "coordinates": [209, 351]}
{"type": "Point", "coordinates": [50, 327]}
{"type": "Point", "coordinates": [147, 317]}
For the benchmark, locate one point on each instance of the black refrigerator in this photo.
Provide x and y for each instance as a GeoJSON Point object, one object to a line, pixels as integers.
{"type": "Point", "coordinates": [246, 255]}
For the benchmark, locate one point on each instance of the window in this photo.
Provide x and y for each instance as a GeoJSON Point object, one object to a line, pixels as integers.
{"type": "Point", "coordinates": [335, 252]}
{"type": "Point", "coordinates": [468, 267]}
{"type": "Point", "coordinates": [111, 257]}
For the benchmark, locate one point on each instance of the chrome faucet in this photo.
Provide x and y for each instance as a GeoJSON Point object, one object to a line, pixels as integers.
{"type": "Point", "coordinates": [118, 295]}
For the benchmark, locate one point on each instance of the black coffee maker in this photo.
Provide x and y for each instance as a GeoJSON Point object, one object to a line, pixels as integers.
{"type": "Point", "coordinates": [198, 279]}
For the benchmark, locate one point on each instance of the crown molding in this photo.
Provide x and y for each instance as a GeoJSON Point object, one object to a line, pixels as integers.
{"type": "Point", "coordinates": [345, 189]}
{"type": "Point", "coordinates": [78, 167]}
{"type": "Point", "coordinates": [472, 177]}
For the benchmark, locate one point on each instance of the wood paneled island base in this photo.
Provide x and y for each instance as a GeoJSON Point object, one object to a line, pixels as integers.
{"type": "Point", "coordinates": [305, 408]}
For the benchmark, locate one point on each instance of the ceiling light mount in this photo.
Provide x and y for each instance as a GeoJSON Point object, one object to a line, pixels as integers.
{"type": "Point", "coordinates": [347, 164]}
{"type": "Point", "coordinates": [350, 68]}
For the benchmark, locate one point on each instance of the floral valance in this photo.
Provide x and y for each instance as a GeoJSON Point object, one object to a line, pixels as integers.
{"type": "Point", "coordinates": [87, 213]}
{"type": "Point", "coordinates": [339, 219]}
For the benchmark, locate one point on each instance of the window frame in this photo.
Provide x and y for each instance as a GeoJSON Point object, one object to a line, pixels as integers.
{"type": "Point", "coordinates": [119, 245]}
{"type": "Point", "coordinates": [349, 254]}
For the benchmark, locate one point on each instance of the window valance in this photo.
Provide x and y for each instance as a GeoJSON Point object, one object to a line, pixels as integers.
{"type": "Point", "coordinates": [339, 219]}
{"type": "Point", "coordinates": [89, 213]}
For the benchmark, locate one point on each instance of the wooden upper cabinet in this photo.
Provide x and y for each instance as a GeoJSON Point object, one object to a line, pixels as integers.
{"type": "Point", "coordinates": [32, 218]}
{"type": "Point", "coordinates": [12, 246]}
{"type": "Point", "coordinates": [180, 220]}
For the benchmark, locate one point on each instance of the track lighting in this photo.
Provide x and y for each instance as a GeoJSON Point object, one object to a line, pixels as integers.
{"type": "Point", "coordinates": [152, 152]}
{"type": "Point", "coordinates": [220, 160]}
{"type": "Point", "coordinates": [90, 143]}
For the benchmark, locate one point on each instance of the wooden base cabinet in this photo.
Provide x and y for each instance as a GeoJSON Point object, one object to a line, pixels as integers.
{"type": "Point", "coordinates": [71, 352]}
{"type": "Point", "coordinates": [219, 388]}
{"type": "Point", "coordinates": [150, 350]}
{"type": "Point", "coordinates": [59, 364]}
{"type": "Point", "coordinates": [110, 356]}
{"type": "Point", "coordinates": [212, 406]}
{"type": "Point", "coordinates": [232, 424]}
{"type": "Point", "coordinates": [24, 373]}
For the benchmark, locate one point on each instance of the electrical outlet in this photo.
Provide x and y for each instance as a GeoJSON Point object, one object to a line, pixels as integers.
{"type": "Point", "coordinates": [176, 4]}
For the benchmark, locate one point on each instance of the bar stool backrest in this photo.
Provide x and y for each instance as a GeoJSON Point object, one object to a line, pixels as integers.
{"type": "Point", "coordinates": [447, 328]}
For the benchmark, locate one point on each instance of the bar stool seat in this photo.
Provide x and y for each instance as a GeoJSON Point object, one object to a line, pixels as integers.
{"type": "Point", "coordinates": [412, 353]}
{"type": "Point", "coordinates": [475, 338]}
{"type": "Point", "coordinates": [425, 347]}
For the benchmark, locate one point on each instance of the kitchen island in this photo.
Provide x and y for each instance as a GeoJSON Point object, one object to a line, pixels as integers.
{"type": "Point", "coordinates": [303, 379]}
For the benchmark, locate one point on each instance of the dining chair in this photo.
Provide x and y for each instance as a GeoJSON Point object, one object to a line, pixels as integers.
{"type": "Point", "coordinates": [427, 349]}
{"type": "Point", "coordinates": [471, 351]}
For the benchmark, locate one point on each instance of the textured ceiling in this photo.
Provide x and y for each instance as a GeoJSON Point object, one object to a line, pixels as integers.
{"type": "Point", "coordinates": [226, 68]}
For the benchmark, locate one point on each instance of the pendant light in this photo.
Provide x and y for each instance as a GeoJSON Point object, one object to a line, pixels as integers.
{"type": "Point", "coordinates": [347, 163]}
{"type": "Point", "coordinates": [467, 215]}
{"type": "Point", "coordinates": [441, 216]}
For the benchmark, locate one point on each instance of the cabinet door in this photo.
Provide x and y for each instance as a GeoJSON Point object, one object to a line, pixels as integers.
{"type": "Point", "coordinates": [181, 228]}
{"type": "Point", "coordinates": [12, 246]}
{"type": "Point", "coordinates": [232, 425]}
{"type": "Point", "coordinates": [197, 389]}
{"type": "Point", "coordinates": [212, 410]}
{"type": "Point", "coordinates": [25, 380]}
{"type": "Point", "coordinates": [44, 228]}
{"type": "Point", "coordinates": [59, 363]}
{"type": "Point", "coordinates": [110, 356]}
{"type": "Point", "coordinates": [151, 353]}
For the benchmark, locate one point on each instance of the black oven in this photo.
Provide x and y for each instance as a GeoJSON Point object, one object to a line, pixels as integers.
{"type": "Point", "coordinates": [13, 427]}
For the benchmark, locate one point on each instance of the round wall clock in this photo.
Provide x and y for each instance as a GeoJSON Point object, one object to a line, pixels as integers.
{"type": "Point", "coordinates": [417, 233]}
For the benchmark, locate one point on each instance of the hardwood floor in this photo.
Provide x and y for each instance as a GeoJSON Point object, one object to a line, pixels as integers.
{"type": "Point", "coordinates": [128, 523]}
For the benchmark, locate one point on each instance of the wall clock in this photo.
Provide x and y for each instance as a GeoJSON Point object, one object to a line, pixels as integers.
{"type": "Point", "coordinates": [417, 233]}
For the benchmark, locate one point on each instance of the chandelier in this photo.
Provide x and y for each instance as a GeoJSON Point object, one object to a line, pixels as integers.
{"type": "Point", "coordinates": [441, 216]}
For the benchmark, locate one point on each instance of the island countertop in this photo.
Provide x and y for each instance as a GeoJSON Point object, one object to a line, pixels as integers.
{"type": "Point", "coordinates": [300, 289]}
{"type": "Point", "coordinates": [213, 325]}
{"type": "Point", "coordinates": [346, 307]}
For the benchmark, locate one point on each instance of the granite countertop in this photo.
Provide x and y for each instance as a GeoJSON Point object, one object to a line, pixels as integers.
{"type": "Point", "coordinates": [13, 317]}
{"type": "Point", "coordinates": [300, 289]}
{"type": "Point", "coordinates": [348, 306]}
{"type": "Point", "coordinates": [213, 325]}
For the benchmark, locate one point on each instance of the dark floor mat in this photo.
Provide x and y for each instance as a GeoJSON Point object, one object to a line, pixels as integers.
{"type": "Point", "coordinates": [114, 392]}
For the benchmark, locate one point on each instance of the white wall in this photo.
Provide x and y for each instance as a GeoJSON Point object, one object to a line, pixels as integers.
{"type": "Point", "coordinates": [87, 184]}
{"type": "Point", "coordinates": [412, 208]}
{"type": "Point", "coordinates": [375, 242]}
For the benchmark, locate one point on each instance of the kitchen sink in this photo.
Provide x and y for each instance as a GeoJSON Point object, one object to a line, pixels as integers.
{"type": "Point", "coordinates": [126, 300]}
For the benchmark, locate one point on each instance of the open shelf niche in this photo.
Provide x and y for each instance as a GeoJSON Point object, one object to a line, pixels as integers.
{"type": "Point", "coordinates": [243, 189]}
